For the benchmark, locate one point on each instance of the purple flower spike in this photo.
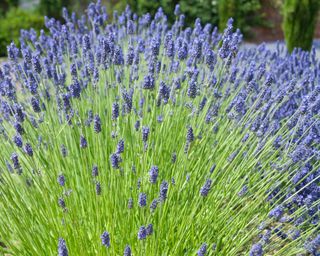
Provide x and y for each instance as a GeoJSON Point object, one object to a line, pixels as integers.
{"type": "Point", "coordinates": [256, 250]}
{"type": "Point", "coordinates": [203, 250]}
{"type": "Point", "coordinates": [105, 239]}
{"type": "Point", "coordinates": [153, 173]}
{"type": "Point", "coordinates": [204, 191]}
{"type": "Point", "coordinates": [61, 180]}
{"type": "Point", "coordinates": [62, 247]}
{"type": "Point", "coordinates": [142, 201]}
{"type": "Point", "coordinates": [97, 124]}
{"type": "Point", "coordinates": [83, 142]}
{"type": "Point", "coordinates": [127, 251]}
{"type": "Point", "coordinates": [142, 234]}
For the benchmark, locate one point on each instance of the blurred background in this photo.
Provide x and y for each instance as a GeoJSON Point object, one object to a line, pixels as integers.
{"type": "Point", "coordinates": [296, 21]}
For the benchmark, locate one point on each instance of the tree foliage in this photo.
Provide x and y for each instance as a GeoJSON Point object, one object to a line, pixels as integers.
{"type": "Point", "coordinates": [299, 21]}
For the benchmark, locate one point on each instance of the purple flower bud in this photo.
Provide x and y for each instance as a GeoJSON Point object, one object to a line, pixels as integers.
{"type": "Point", "coordinates": [61, 203]}
{"type": "Point", "coordinates": [164, 91]}
{"type": "Point", "coordinates": [142, 200]}
{"type": "Point", "coordinates": [203, 250]}
{"type": "Point", "coordinates": [137, 125]}
{"type": "Point", "coordinates": [17, 139]}
{"type": "Point", "coordinates": [97, 124]}
{"type": "Point", "coordinates": [35, 105]}
{"type": "Point", "coordinates": [63, 150]}
{"type": "Point", "coordinates": [115, 160]}
{"type": "Point", "coordinates": [213, 167]}
{"type": "Point", "coordinates": [115, 111]}
{"type": "Point", "coordinates": [61, 180]}
{"type": "Point", "coordinates": [120, 147]}
{"type": "Point", "coordinates": [182, 49]}
{"type": "Point", "coordinates": [105, 239]}
{"type": "Point", "coordinates": [163, 191]}
{"type": "Point", "coordinates": [75, 89]}
{"type": "Point", "coordinates": [177, 10]}
{"type": "Point", "coordinates": [294, 234]}
{"type": "Point", "coordinates": [98, 188]}
{"type": "Point", "coordinates": [149, 229]}
{"type": "Point", "coordinates": [210, 58]}
{"type": "Point", "coordinates": [13, 52]}
{"type": "Point", "coordinates": [86, 43]}
{"type": "Point", "coordinates": [145, 133]}
{"type": "Point", "coordinates": [36, 64]}
{"type": "Point", "coordinates": [15, 161]}
{"type": "Point", "coordinates": [277, 212]}
{"type": "Point", "coordinates": [62, 248]}
{"type": "Point", "coordinates": [192, 89]}
{"type": "Point", "coordinates": [130, 27]}
{"type": "Point", "coordinates": [66, 101]}
{"type": "Point", "coordinates": [266, 236]}
{"type": "Point", "coordinates": [127, 251]}
{"type": "Point", "coordinates": [130, 203]}
{"type": "Point", "coordinates": [130, 56]}
{"type": "Point", "coordinates": [155, 46]}
{"type": "Point", "coordinates": [142, 234]}
{"type": "Point", "coordinates": [173, 157]}
{"type": "Point", "coordinates": [73, 70]}
{"type": "Point", "coordinates": [153, 173]}
{"type": "Point", "coordinates": [19, 115]}
{"type": "Point", "coordinates": [154, 204]}
{"type": "Point", "coordinates": [243, 191]}
{"type": "Point", "coordinates": [256, 250]}
{"type": "Point", "coordinates": [95, 171]}
{"type": "Point", "coordinates": [206, 188]}
{"type": "Point", "coordinates": [190, 135]}
{"type": "Point", "coordinates": [118, 56]}
{"type": "Point", "coordinates": [83, 142]}
{"type": "Point", "coordinates": [148, 82]}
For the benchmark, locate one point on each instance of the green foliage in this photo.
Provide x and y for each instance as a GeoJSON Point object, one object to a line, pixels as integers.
{"type": "Point", "coordinates": [52, 8]}
{"type": "Point", "coordinates": [143, 6]}
{"type": "Point", "coordinates": [5, 5]}
{"type": "Point", "coordinates": [299, 21]}
{"type": "Point", "coordinates": [244, 12]}
{"type": "Point", "coordinates": [11, 24]}
{"type": "Point", "coordinates": [204, 9]}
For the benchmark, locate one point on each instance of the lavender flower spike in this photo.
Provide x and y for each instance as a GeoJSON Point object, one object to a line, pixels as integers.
{"type": "Point", "coordinates": [62, 247]}
{"type": "Point", "coordinates": [105, 239]}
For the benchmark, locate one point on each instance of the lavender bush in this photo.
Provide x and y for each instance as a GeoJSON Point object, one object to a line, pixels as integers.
{"type": "Point", "coordinates": [130, 136]}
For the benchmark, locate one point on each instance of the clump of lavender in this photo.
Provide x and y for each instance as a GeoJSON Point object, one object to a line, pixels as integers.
{"type": "Point", "coordinates": [135, 95]}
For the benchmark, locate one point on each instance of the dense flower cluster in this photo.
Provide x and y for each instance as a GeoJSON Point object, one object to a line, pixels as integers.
{"type": "Point", "coordinates": [214, 145]}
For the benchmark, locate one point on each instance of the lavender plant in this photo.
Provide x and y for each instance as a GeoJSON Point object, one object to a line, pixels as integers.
{"type": "Point", "coordinates": [132, 136]}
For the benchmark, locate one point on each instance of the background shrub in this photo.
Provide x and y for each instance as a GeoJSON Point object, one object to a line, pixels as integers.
{"type": "Point", "coordinates": [246, 14]}
{"type": "Point", "coordinates": [299, 21]}
{"type": "Point", "coordinates": [11, 24]}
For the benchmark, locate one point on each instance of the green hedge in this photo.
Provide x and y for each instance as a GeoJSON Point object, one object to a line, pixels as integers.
{"type": "Point", "coordinates": [11, 24]}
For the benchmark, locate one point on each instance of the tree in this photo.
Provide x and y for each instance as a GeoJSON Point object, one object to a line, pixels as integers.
{"type": "Point", "coordinates": [299, 22]}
